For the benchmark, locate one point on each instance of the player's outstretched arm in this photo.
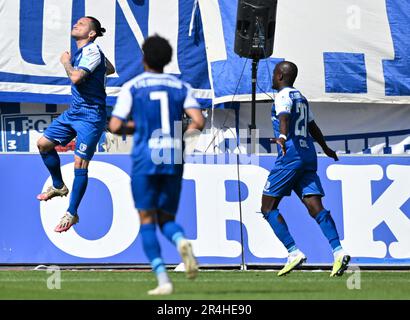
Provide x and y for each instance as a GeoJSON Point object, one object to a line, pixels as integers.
{"type": "Point", "coordinates": [317, 134]}
{"type": "Point", "coordinates": [193, 131]}
{"type": "Point", "coordinates": [109, 66]}
{"type": "Point", "coordinates": [197, 119]}
{"type": "Point", "coordinates": [283, 129]}
{"type": "Point", "coordinates": [118, 126]}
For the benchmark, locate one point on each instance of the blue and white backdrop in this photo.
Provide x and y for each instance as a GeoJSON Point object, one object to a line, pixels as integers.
{"type": "Point", "coordinates": [347, 51]}
{"type": "Point", "coordinates": [350, 52]}
{"type": "Point", "coordinates": [369, 198]}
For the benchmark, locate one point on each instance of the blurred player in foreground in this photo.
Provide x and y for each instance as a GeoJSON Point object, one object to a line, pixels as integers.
{"type": "Point", "coordinates": [85, 118]}
{"type": "Point", "coordinates": [295, 169]}
{"type": "Point", "coordinates": [156, 102]}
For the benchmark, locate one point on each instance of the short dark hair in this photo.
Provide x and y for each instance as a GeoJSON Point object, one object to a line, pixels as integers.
{"type": "Point", "coordinates": [289, 71]}
{"type": "Point", "coordinates": [96, 26]}
{"type": "Point", "coordinates": [157, 52]}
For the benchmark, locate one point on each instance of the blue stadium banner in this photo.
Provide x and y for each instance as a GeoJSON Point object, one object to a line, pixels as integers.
{"type": "Point", "coordinates": [346, 52]}
{"type": "Point", "coordinates": [35, 33]}
{"type": "Point", "coordinates": [369, 199]}
{"type": "Point", "coordinates": [367, 41]}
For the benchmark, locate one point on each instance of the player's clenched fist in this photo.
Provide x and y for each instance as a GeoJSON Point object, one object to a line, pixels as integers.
{"type": "Point", "coordinates": [65, 57]}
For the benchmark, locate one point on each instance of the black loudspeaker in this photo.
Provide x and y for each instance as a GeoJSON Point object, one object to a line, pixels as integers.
{"type": "Point", "coordinates": [255, 28]}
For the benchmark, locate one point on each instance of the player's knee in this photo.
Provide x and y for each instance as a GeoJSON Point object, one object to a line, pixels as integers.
{"type": "Point", "coordinates": [314, 211]}
{"type": "Point", "coordinates": [321, 216]}
{"type": "Point", "coordinates": [146, 218]}
{"type": "Point", "coordinates": [163, 218]}
{"type": "Point", "coordinates": [314, 206]}
{"type": "Point", "coordinates": [147, 221]}
{"type": "Point", "coordinates": [80, 163]}
{"type": "Point", "coordinates": [273, 214]}
{"type": "Point", "coordinates": [268, 207]}
{"type": "Point", "coordinates": [42, 147]}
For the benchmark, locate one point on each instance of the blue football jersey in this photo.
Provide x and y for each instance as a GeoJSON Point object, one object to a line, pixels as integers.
{"type": "Point", "coordinates": [300, 150]}
{"type": "Point", "coordinates": [156, 103]}
{"type": "Point", "coordinates": [91, 92]}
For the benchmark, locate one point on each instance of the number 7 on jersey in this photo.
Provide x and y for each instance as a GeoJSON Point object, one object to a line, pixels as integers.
{"type": "Point", "coordinates": [162, 96]}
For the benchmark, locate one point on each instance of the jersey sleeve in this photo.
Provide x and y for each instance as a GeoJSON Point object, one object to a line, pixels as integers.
{"type": "Point", "coordinates": [190, 101]}
{"type": "Point", "coordinates": [122, 108]}
{"type": "Point", "coordinates": [311, 116]}
{"type": "Point", "coordinates": [90, 59]}
{"type": "Point", "coordinates": [283, 103]}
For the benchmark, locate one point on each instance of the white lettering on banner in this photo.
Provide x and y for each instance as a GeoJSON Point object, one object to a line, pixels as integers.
{"type": "Point", "coordinates": [354, 17]}
{"type": "Point", "coordinates": [125, 220]}
{"type": "Point", "coordinates": [163, 20]}
{"type": "Point", "coordinates": [132, 22]}
{"type": "Point", "coordinates": [262, 241]}
{"type": "Point", "coordinates": [213, 211]}
{"type": "Point", "coordinates": [56, 36]}
{"type": "Point", "coordinates": [57, 26]}
{"type": "Point", "coordinates": [361, 217]}
{"type": "Point", "coordinates": [213, 30]}
{"type": "Point", "coordinates": [34, 126]}
{"type": "Point", "coordinates": [335, 37]}
{"type": "Point", "coordinates": [104, 11]}
{"type": "Point", "coordinates": [168, 16]}
{"type": "Point", "coordinates": [53, 42]}
{"type": "Point", "coordinates": [328, 28]}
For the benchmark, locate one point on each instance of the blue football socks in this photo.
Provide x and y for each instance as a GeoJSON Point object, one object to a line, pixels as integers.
{"type": "Point", "coordinates": [281, 229]}
{"type": "Point", "coordinates": [153, 251]}
{"type": "Point", "coordinates": [78, 190]}
{"type": "Point", "coordinates": [52, 162]}
{"type": "Point", "coordinates": [326, 223]}
{"type": "Point", "coordinates": [173, 232]}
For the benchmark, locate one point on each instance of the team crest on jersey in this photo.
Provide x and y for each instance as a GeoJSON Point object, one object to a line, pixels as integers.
{"type": "Point", "coordinates": [82, 147]}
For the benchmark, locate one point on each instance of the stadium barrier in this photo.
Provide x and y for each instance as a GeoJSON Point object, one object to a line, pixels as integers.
{"type": "Point", "coordinates": [220, 210]}
{"type": "Point", "coordinates": [266, 145]}
{"type": "Point", "coordinates": [366, 136]}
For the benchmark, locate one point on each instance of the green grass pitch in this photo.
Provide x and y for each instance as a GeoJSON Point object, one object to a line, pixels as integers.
{"type": "Point", "coordinates": [219, 285]}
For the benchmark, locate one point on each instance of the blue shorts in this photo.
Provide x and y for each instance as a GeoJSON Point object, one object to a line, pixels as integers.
{"type": "Point", "coordinates": [160, 191]}
{"type": "Point", "coordinates": [281, 182]}
{"type": "Point", "coordinates": [70, 125]}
